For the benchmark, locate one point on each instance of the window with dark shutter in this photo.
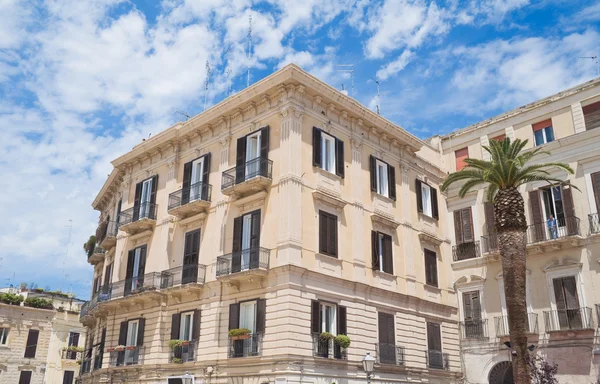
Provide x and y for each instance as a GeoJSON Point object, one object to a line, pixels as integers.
{"type": "Point", "coordinates": [175, 324]}
{"type": "Point", "coordinates": [591, 115]}
{"type": "Point", "coordinates": [68, 377]}
{"type": "Point", "coordinates": [460, 156]}
{"type": "Point", "coordinates": [382, 252]}
{"type": "Point", "coordinates": [328, 152]}
{"type": "Point", "coordinates": [31, 344]}
{"type": "Point", "coordinates": [387, 338]}
{"type": "Point", "coordinates": [471, 306]}
{"type": "Point", "coordinates": [427, 203]}
{"type": "Point", "coordinates": [25, 377]}
{"type": "Point", "coordinates": [434, 337]}
{"type": "Point", "coordinates": [431, 275]}
{"type": "Point", "coordinates": [463, 226]}
{"type": "Point", "coordinates": [596, 187]}
{"type": "Point", "coordinates": [383, 177]}
{"type": "Point", "coordinates": [261, 315]}
{"type": "Point", "coordinates": [234, 316]}
{"type": "Point", "coordinates": [328, 234]}
{"type": "Point", "coordinates": [315, 317]}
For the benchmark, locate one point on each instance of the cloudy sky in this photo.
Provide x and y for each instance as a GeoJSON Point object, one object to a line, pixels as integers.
{"type": "Point", "coordinates": [82, 81]}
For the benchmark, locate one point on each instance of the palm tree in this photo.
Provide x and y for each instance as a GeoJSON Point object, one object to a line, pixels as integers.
{"type": "Point", "coordinates": [509, 168]}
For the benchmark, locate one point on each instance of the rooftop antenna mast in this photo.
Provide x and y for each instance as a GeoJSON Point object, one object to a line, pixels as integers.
{"type": "Point", "coordinates": [187, 117]}
{"type": "Point", "coordinates": [378, 97]}
{"type": "Point", "coordinates": [206, 83]}
{"type": "Point", "coordinates": [347, 68]}
{"type": "Point", "coordinates": [595, 59]}
{"type": "Point", "coordinates": [249, 47]}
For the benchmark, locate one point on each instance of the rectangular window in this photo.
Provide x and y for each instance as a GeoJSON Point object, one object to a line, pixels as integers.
{"type": "Point", "coordinates": [328, 152]}
{"type": "Point", "coordinates": [186, 326]}
{"type": "Point", "coordinates": [25, 377]}
{"type": "Point", "coordinates": [68, 377]}
{"type": "Point", "coordinates": [136, 266]}
{"type": "Point", "coordinates": [427, 201]}
{"type": "Point", "coordinates": [543, 132]}
{"type": "Point", "coordinates": [72, 342]}
{"type": "Point", "coordinates": [471, 306]}
{"type": "Point", "coordinates": [387, 338]}
{"type": "Point", "coordinates": [596, 188]}
{"type": "Point", "coordinates": [463, 226]}
{"type": "Point", "coordinates": [246, 242]}
{"type": "Point", "coordinates": [591, 114]}
{"type": "Point", "coordinates": [328, 237]}
{"type": "Point", "coordinates": [4, 336]}
{"type": "Point", "coordinates": [132, 332]}
{"type": "Point", "coordinates": [249, 314]}
{"type": "Point", "coordinates": [328, 318]}
{"type": "Point", "coordinates": [382, 253]}
{"type": "Point", "coordinates": [145, 198]}
{"type": "Point", "coordinates": [431, 275]}
{"type": "Point", "coordinates": [434, 337]}
{"type": "Point", "coordinates": [382, 178]}
{"type": "Point", "coordinates": [191, 253]}
{"type": "Point", "coordinates": [252, 154]}
{"type": "Point", "coordinates": [461, 155]}
{"type": "Point", "coordinates": [567, 302]}
{"type": "Point", "coordinates": [31, 344]}
{"type": "Point", "coordinates": [499, 137]}
{"type": "Point", "coordinates": [195, 180]}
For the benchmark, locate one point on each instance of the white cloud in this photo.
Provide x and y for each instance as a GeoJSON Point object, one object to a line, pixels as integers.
{"type": "Point", "coordinates": [393, 67]}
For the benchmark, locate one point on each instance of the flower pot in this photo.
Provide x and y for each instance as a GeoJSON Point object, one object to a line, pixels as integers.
{"type": "Point", "coordinates": [119, 349]}
{"type": "Point", "coordinates": [240, 337]}
{"type": "Point", "coordinates": [110, 350]}
{"type": "Point", "coordinates": [130, 347]}
{"type": "Point", "coordinates": [185, 343]}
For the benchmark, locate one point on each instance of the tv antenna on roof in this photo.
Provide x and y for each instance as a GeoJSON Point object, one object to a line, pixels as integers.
{"type": "Point", "coordinates": [187, 117]}
{"type": "Point", "coordinates": [595, 59]}
{"type": "Point", "coordinates": [347, 68]}
{"type": "Point", "coordinates": [249, 57]}
{"type": "Point", "coordinates": [206, 83]}
{"type": "Point", "coordinates": [378, 97]}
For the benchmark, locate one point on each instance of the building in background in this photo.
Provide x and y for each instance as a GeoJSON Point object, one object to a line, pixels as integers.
{"type": "Point", "coordinates": [250, 243]}
{"type": "Point", "coordinates": [40, 344]}
{"type": "Point", "coordinates": [563, 241]}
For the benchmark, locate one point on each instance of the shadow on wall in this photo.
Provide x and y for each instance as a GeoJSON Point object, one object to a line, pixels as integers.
{"type": "Point", "coordinates": [575, 360]}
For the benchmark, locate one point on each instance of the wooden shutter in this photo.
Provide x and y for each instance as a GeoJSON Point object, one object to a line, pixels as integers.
{"type": "Point", "coordinates": [237, 234]}
{"type": "Point", "coordinates": [386, 329]}
{"type": "Point", "coordinates": [264, 142]}
{"type": "Point", "coordinates": [141, 329]}
{"type": "Point", "coordinates": [434, 339]}
{"type": "Point", "coordinates": [315, 317]}
{"type": "Point", "coordinates": [175, 325]}
{"type": "Point", "coordinates": [461, 155]}
{"type": "Point", "coordinates": [392, 182]}
{"type": "Point", "coordinates": [196, 325]}
{"type": "Point", "coordinates": [327, 234]}
{"type": "Point", "coordinates": [434, 203]}
{"type": "Point", "coordinates": [467, 306]}
{"type": "Point", "coordinates": [467, 225]}
{"type": "Point", "coordinates": [119, 204]}
{"type": "Point", "coordinates": [123, 333]}
{"type": "Point", "coordinates": [136, 201]}
{"type": "Point", "coordinates": [240, 160]}
{"type": "Point", "coordinates": [475, 300]}
{"type": "Point", "coordinates": [596, 187]}
{"type": "Point", "coordinates": [31, 344]}
{"type": "Point", "coordinates": [107, 274]}
{"type": "Point", "coordinates": [342, 326]}
{"type": "Point", "coordinates": [539, 230]}
{"type": "Point", "coordinates": [374, 250]}
{"type": "Point", "coordinates": [591, 115]}
{"type": "Point", "coordinates": [205, 178]}
{"type": "Point", "coordinates": [68, 377]}
{"type": "Point", "coordinates": [153, 195]}
{"type": "Point", "coordinates": [488, 209]}
{"type": "Point", "coordinates": [373, 173]}
{"type": "Point", "coordinates": [255, 230]}
{"type": "Point", "coordinates": [25, 377]}
{"type": "Point", "coordinates": [142, 268]}
{"type": "Point", "coordinates": [431, 275]}
{"type": "Point", "coordinates": [73, 339]}
{"type": "Point", "coordinates": [419, 193]}
{"type": "Point", "coordinates": [458, 234]}
{"type": "Point", "coordinates": [339, 158]}
{"type": "Point", "coordinates": [569, 207]}
{"type": "Point", "coordinates": [234, 316]}
{"type": "Point", "coordinates": [388, 259]}
{"type": "Point", "coordinates": [187, 179]}
{"type": "Point", "coordinates": [333, 235]}
{"type": "Point", "coordinates": [542, 124]}
{"type": "Point", "coordinates": [317, 147]}
{"type": "Point", "coordinates": [323, 223]}
{"type": "Point", "coordinates": [261, 309]}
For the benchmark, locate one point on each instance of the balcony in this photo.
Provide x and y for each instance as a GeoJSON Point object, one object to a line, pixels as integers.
{"type": "Point", "coordinates": [247, 347]}
{"type": "Point", "coordinates": [489, 243]}
{"type": "Point", "coordinates": [389, 354]}
{"type": "Point", "coordinates": [106, 234]}
{"type": "Point", "coordinates": [327, 348]}
{"type": "Point", "coordinates": [183, 353]}
{"type": "Point", "coordinates": [594, 221]}
{"type": "Point", "coordinates": [566, 228]}
{"type": "Point", "coordinates": [131, 355]}
{"type": "Point", "coordinates": [437, 359]}
{"type": "Point", "coordinates": [180, 276]}
{"type": "Point", "coordinates": [503, 330]}
{"type": "Point", "coordinates": [70, 354]}
{"type": "Point", "coordinates": [466, 251]}
{"type": "Point", "coordinates": [96, 256]}
{"type": "Point", "coordinates": [86, 362]}
{"type": "Point", "coordinates": [253, 176]}
{"type": "Point", "coordinates": [253, 262]}
{"type": "Point", "coordinates": [568, 319]}
{"type": "Point", "coordinates": [190, 201]}
{"type": "Point", "coordinates": [138, 218]}
{"type": "Point", "coordinates": [474, 329]}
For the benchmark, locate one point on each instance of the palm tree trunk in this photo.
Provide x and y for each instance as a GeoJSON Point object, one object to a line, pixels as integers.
{"type": "Point", "coordinates": [511, 226]}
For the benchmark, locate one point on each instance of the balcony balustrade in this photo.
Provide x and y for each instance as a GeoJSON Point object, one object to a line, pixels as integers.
{"type": "Point", "coordinates": [465, 251]}
{"type": "Point", "coordinates": [250, 345]}
{"type": "Point", "coordinates": [389, 354]}
{"type": "Point", "coordinates": [568, 319]}
{"type": "Point", "coordinates": [191, 200]}
{"type": "Point", "coordinates": [106, 234]}
{"type": "Point", "coordinates": [138, 218]}
{"type": "Point", "coordinates": [565, 227]}
{"type": "Point", "coordinates": [503, 330]}
{"type": "Point", "coordinates": [252, 176]}
{"type": "Point", "coordinates": [474, 329]}
{"type": "Point", "coordinates": [130, 355]}
{"type": "Point", "coordinates": [183, 353]}
{"type": "Point", "coordinates": [250, 261]}
{"type": "Point", "coordinates": [489, 243]}
{"type": "Point", "coordinates": [327, 348]}
{"type": "Point", "coordinates": [96, 256]}
{"type": "Point", "coordinates": [437, 359]}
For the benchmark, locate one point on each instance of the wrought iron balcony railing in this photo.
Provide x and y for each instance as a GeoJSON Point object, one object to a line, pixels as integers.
{"type": "Point", "coordinates": [568, 319]}
{"type": "Point", "coordinates": [139, 212]}
{"type": "Point", "coordinates": [183, 353]}
{"type": "Point", "coordinates": [561, 227]}
{"type": "Point", "coordinates": [198, 191]}
{"type": "Point", "coordinates": [251, 169]}
{"type": "Point", "coordinates": [327, 348]}
{"type": "Point", "coordinates": [245, 260]}
{"type": "Point", "coordinates": [131, 355]}
{"type": "Point", "coordinates": [105, 230]}
{"type": "Point", "coordinates": [85, 308]}
{"type": "Point", "coordinates": [594, 221]}
{"type": "Point", "coordinates": [389, 354]}
{"type": "Point", "coordinates": [437, 359]}
{"type": "Point", "coordinates": [473, 329]}
{"type": "Point", "coordinates": [489, 243]}
{"type": "Point", "coordinates": [502, 328]}
{"type": "Point", "coordinates": [67, 354]}
{"type": "Point", "coordinates": [249, 345]}
{"type": "Point", "coordinates": [466, 251]}
{"type": "Point", "coordinates": [186, 274]}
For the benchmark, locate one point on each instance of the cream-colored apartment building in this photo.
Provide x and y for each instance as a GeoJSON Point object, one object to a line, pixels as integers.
{"type": "Point", "coordinates": [290, 210]}
{"type": "Point", "coordinates": [37, 346]}
{"type": "Point", "coordinates": [563, 250]}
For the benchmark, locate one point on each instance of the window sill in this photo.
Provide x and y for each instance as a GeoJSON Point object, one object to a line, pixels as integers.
{"type": "Point", "coordinates": [428, 218]}
{"type": "Point", "coordinates": [326, 173]}
{"type": "Point", "coordinates": [385, 275]}
{"type": "Point", "coordinates": [383, 197]}
{"type": "Point", "coordinates": [329, 258]}
{"type": "Point", "coordinates": [434, 288]}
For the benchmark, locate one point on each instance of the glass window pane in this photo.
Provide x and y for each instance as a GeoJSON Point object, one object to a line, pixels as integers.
{"type": "Point", "coordinates": [549, 134]}
{"type": "Point", "coordinates": [539, 137]}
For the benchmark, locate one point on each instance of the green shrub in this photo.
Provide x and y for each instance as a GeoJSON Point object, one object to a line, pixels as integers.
{"type": "Point", "coordinates": [11, 298]}
{"type": "Point", "coordinates": [89, 246]}
{"type": "Point", "coordinates": [175, 343]}
{"type": "Point", "coordinates": [343, 341]}
{"type": "Point", "coordinates": [239, 332]}
{"type": "Point", "coordinates": [176, 360]}
{"type": "Point", "coordinates": [326, 336]}
{"type": "Point", "coordinates": [38, 302]}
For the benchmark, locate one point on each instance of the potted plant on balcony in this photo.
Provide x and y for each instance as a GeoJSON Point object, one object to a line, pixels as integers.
{"type": "Point", "coordinates": [342, 341]}
{"type": "Point", "coordinates": [239, 333]}
{"type": "Point", "coordinates": [89, 246]}
{"type": "Point", "coordinates": [175, 343]}
{"type": "Point", "coordinates": [130, 347]}
{"type": "Point", "coordinates": [326, 336]}
{"type": "Point", "coordinates": [176, 360]}
{"type": "Point", "coordinates": [74, 348]}
{"type": "Point", "coordinates": [119, 348]}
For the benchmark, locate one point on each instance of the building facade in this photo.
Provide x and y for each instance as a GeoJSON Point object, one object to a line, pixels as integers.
{"type": "Point", "coordinates": [563, 242]}
{"type": "Point", "coordinates": [236, 246]}
{"type": "Point", "coordinates": [41, 345]}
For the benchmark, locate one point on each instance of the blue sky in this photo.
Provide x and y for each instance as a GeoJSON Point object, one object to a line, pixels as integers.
{"type": "Point", "coordinates": [82, 81]}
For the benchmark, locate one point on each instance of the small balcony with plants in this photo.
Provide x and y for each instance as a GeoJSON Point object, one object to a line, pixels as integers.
{"type": "Point", "coordinates": [391, 354]}
{"type": "Point", "coordinates": [252, 176]}
{"type": "Point", "coordinates": [466, 251]}
{"type": "Point", "coordinates": [244, 343]}
{"type": "Point", "coordinates": [246, 263]}
{"type": "Point", "coordinates": [328, 346]}
{"type": "Point", "coordinates": [106, 234]}
{"type": "Point", "coordinates": [190, 200]}
{"type": "Point", "coordinates": [138, 218]}
{"type": "Point", "coordinates": [72, 352]}
{"type": "Point", "coordinates": [182, 351]}
{"type": "Point", "coordinates": [94, 253]}
{"type": "Point", "coordinates": [123, 355]}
